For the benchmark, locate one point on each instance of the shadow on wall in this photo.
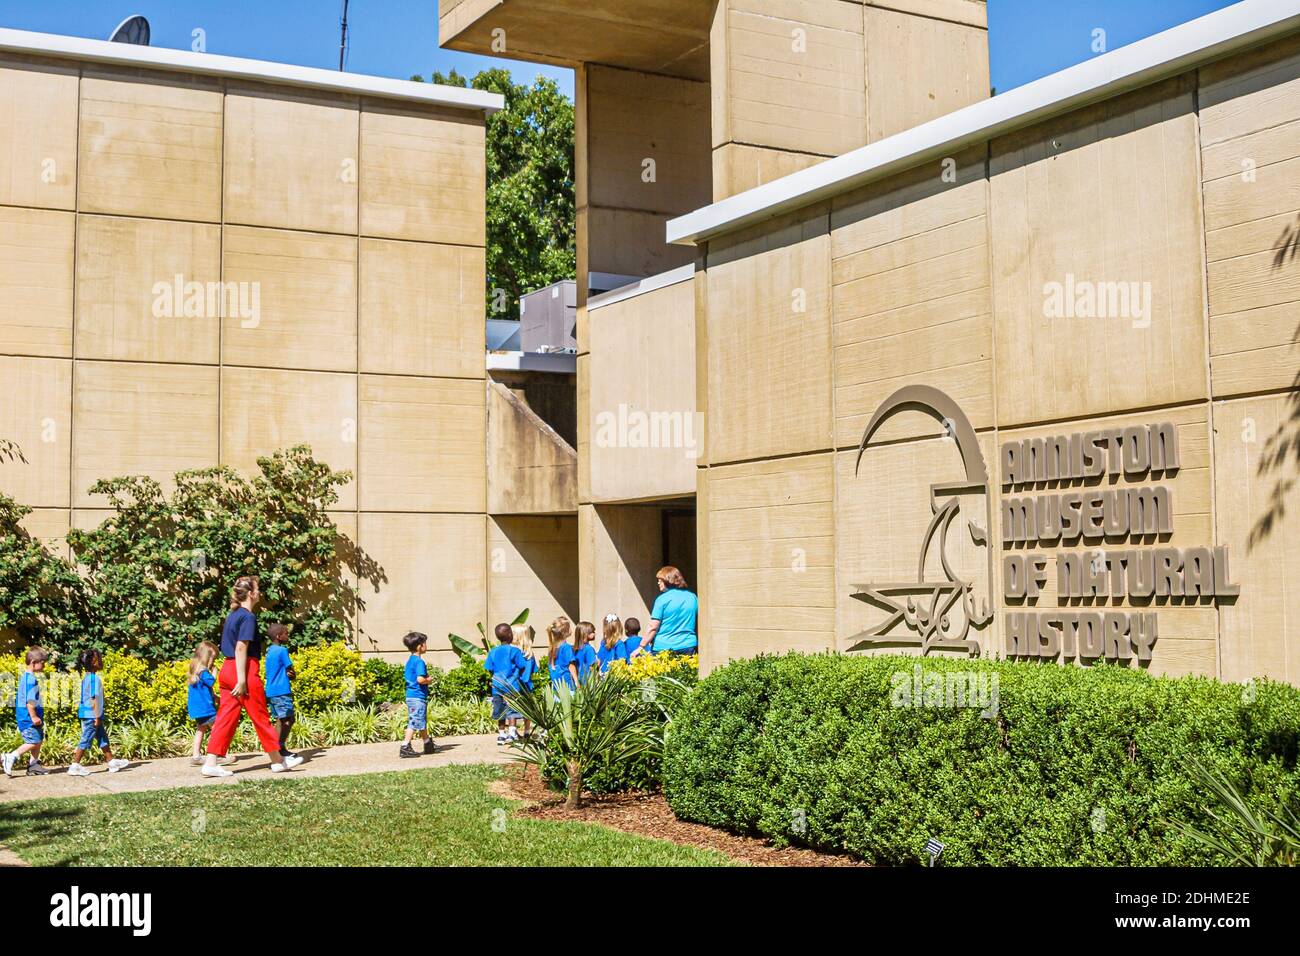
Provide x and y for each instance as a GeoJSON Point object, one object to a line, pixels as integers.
{"type": "Point", "coordinates": [1281, 457]}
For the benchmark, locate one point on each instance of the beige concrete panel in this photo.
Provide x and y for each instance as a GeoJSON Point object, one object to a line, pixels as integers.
{"type": "Point", "coordinates": [770, 556]}
{"type": "Point", "coordinates": [36, 250]}
{"type": "Point", "coordinates": [620, 549]}
{"type": "Point", "coordinates": [629, 243]}
{"type": "Point", "coordinates": [882, 511]}
{"type": "Point", "coordinates": [38, 134]}
{"type": "Point", "coordinates": [795, 76]}
{"type": "Point", "coordinates": [421, 309]}
{"type": "Point", "coordinates": [583, 440]}
{"type": "Point", "coordinates": [970, 12]}
{"type": "Point", "coordinates": [436, 579]}
{"type": "Point", "coordinates": [150, 145]}
{"type": "Point", "coordinates": [946, 66]}
{"type": "Point", "coordinates": [422, 174]}
{"type": "Point", "coordinates": [1114, 206]}
{"type": "Point", "coordinates": [36, 414]}
{"type": "Point", "coordinates": [1258, 522]}
{"type": "Point", "coordinates": [737, 167]}
{"type": "Point", "coordinates": [911, 298]}
{"type": "Point", "coordinates": [769, 363]}
{"type": "Point", "coordinates": [50, 527]}
{"type": "Point", "coordinates": [291, 160]}
{"type": "Point", "coordinates": [302, 298]}
{"type": "Point", "coordinates": [131, 305]}
{"type": "Point", "coordinates": [265, 410]}
{"type": "Point", "coordinates": [1250, 131]}
{"type": "Point", "coordinates": [141, 419]}
{"type": "Point", "coordinates": [648, 141]}
{"type": "Point", "coordinates": [645, 435]}
{"type": "Point", "coordinates": [1188, 633]}
{"type": "Point", "coordinates": [532, 563]}
{"type": "Point", "coordinates": [530, 468]}
{"type": "Point", "coordinates": [422, 444]}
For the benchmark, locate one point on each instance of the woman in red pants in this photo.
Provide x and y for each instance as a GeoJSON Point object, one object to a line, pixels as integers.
{"type": "Point", "coordinates": [241, 684]}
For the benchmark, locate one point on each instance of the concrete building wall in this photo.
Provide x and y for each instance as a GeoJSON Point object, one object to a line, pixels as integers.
{"type": "Point", "coordinates": [1184, 188]}
{"type": "Point", "coordinates": [361, 223]}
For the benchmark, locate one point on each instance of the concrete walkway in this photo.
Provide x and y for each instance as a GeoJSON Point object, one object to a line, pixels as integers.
{"type": "Point", "coordinates": [180, 772]}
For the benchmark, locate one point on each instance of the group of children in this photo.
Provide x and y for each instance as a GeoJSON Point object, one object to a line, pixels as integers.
{"type": "Point", "coordinates": [201, 704]}
{"type": "Point", "coordinates": [573, 654]}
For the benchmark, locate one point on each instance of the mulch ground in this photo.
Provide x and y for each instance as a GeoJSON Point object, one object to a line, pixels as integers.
{"type": "Point", "coordinates": [648, 814]}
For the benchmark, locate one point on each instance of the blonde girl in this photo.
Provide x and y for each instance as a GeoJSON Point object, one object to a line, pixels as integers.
{"type": "Point", "coordinates": [561, 658]}
{"type": "Point", "coordinates": [202, 707]}
{"type": "Point", "coordinates": [524, 637]}
{"type": "Point", "coordinates": [612, 645]}
{"type": "Point", "coordinates": [583, 650]}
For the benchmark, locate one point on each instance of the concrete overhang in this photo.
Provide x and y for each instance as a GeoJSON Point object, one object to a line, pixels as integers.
{"type": "Point", "coordinates": [670, 37]}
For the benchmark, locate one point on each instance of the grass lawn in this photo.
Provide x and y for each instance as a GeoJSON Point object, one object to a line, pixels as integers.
{"type": "Point", "coordinates": [437, 817]}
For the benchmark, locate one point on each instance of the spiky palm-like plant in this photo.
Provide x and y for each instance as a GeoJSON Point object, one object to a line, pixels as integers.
{"type": "Point", "coordinates": [602, 720]}
{"type": "Point", "coordinates": [1245, 836]}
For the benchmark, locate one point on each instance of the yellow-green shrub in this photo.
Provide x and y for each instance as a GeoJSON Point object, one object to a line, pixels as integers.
{"type": "Point", "coordinates": [330, 675]}
{"type": "Point", "coordinates": [165, 694]}
{"type": "Point", "coordinates": [657, 665]}
{"type": "Point", "coordinates": [125, 678]}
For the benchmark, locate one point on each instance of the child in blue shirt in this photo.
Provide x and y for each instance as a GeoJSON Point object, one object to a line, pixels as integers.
{"type": "Point", "coordinates": [200, 704]}
{"type": "Point", "coordinates": [94, 725]}
{"type": "Point", "coordinates": [279, 692]}
{"type": "Point", "coordinates": [583, 651]}
{"type": "Point", "coordinates": [505, 663]}
{"type": "Point", "coordinates": [560, 657]}
{"type": "Point", "coordinates": [417, 695]}
{"type": "Point", "coordinates": [524, 637]}
{"type": "Point", "coordinates": [611, 646]}
{"type": "Point", "coordinates": [632, 643]}
{"type": "Point", "coordinates": [31, 716]}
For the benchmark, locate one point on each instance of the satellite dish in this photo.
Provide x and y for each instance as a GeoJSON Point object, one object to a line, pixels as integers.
{"type": "Point", "coordinates": [133, 29]}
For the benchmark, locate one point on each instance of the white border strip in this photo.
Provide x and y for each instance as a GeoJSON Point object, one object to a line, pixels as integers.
{"type": "Point", "coordinates": [661, 281]}
{"type": "Point", "coordinates": [1157, 57]}
{"type": "Point", "coordinates": [160, 58]}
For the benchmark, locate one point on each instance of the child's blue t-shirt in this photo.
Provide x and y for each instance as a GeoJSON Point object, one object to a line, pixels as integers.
{"type": "Point", "coordinates": [586, 659]}
{"type": "Point", "coordinates": [415, 669]}
{"type": "Point", "coordinates": [559, 664]}
{"type": "Point", "coordinates": [505, 663]}
{"type": "Point", "coordinates": [630, 644]}
{"type": "Point", "coordinates": [200, 698]}
{"type": "Point", "coordinates": [29, 689]}
{"type": "Point", "coordinates": [530, 668]}
{"type": "Point", "coordinates": [92, 696]}
{"type": "Point", "coordinates": [278, 663]}
{"type": "Point", "coordinates": [607, 655]}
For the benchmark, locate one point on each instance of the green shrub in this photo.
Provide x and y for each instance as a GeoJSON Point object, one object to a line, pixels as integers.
{"type": "Point", "coordinates": [331, 675]}
{"type": "Point", "coordinates": [388, 680]}
{"type": "Point", "coordinates": [457, 718]}
{"type": "Point", "coordinates": [466, 679]}
{"type": "Point", "coordinates": [1079, 766]}
{"type": "Point", "coordinates": [42, 598]}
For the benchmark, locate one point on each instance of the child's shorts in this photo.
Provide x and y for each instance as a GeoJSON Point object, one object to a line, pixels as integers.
{"type": "Point", "coordinates": [417, 713]}
{"type": "Point", "coordinates": [34, 735]}
{"type": "Point", "coordinates": [89, 732]}
{"type": "Point", "coordinates": [280, 706]}
{"type": "Point", "coordinates": [501, 709]}
{"type": "Point", "coordinates": [204, 721]}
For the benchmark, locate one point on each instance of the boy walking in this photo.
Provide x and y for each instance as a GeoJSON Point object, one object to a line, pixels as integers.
{"type": "Point", "coordinates": [31, 716]}
{"type": "Point", "coordinates": [507, 664]}
{"type": "Point", "coordinates": [417, 695]}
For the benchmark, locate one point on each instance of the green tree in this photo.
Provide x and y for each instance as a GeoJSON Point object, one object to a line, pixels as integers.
{"type": "Point", "coordinates": [530, 187]}
{"type": "Point", "coordinates": [158, 571]}
{"type": "Point", "coordinates": [41, 597]}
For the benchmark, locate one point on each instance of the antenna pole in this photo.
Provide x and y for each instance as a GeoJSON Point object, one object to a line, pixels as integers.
{"type": "Point", "coordinates": [343, 38]}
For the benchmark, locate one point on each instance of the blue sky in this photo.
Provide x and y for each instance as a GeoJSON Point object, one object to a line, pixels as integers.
{"type": "Point", "coordinates": [1027, 38]}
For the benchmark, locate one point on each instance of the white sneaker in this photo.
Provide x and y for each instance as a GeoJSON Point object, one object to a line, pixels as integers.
{"type": "Point", "coordinates": [292, 761]}
{"type": "Point", "coordinates": [77, 770]}
{"type": "Point", "coordinates": [9, 760]}
{"type": "Point", "coordinates": [119, 764]}
{"type": "Point", "coordinates": [216, 772]}
{"type": "Point", "coordinates": [198, 761]}
{"type": "Point", "coordinates": [501, 740]}
{"type": "Point", "coordinates": [278, 768]}
{"type": "Point", "coordinates": [512, 734]}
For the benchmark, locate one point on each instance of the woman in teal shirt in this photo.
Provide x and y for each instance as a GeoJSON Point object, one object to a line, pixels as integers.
{"type": "Point", "coordinates": [673, 617]}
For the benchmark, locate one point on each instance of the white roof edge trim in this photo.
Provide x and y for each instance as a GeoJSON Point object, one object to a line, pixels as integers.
{"type": "Point", "coordinates": [209, 64]}
{"type": "Point", "coordinates": [1223, 32]}
{"type": "Point", "coordinates": [661, 281]}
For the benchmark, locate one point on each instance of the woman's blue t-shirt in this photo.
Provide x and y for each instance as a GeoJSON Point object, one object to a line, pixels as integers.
{"type": "Point", "coordinates": [559, 664]}
{"type": "Point", "coordinates": [200, 697]}
{"type": "Point", "coordinates": [676, 611]}
{"type": "Point", "coordinates": [607, 655]}
{"type": "Point", "coordinates": [241, 625]}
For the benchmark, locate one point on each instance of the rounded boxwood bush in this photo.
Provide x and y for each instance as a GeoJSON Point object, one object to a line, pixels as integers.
{"type": "Point", "coordinates": [1071, 766]}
